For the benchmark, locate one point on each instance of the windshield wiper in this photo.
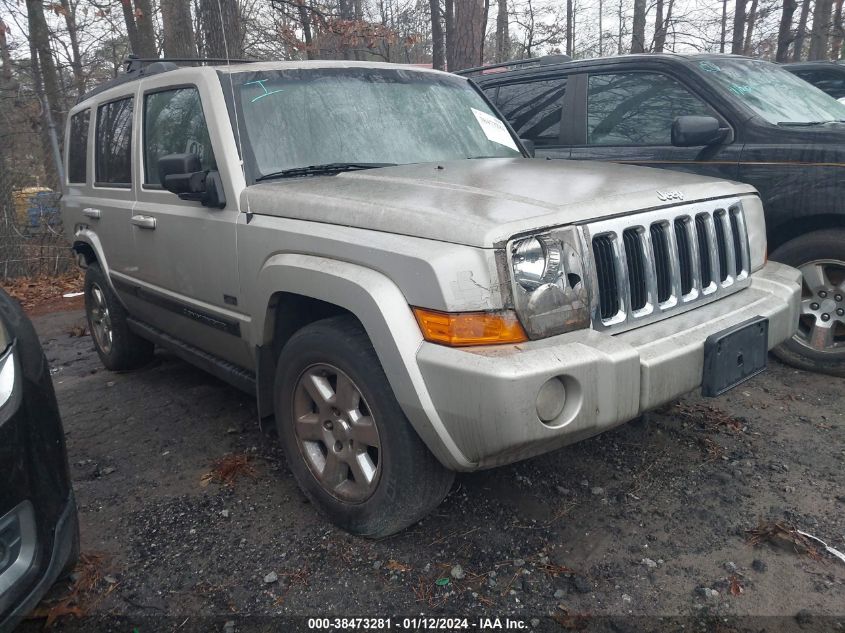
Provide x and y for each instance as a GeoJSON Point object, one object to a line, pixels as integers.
{"type": "Point", "coordinates": [321, 170]}
{"type": "Point", "coordinates": [809, 123]}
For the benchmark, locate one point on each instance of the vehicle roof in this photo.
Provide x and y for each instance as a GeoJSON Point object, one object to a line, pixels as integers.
{"type": "Point", "coordinates": [821, 63]}
{"type": "Point", "coordinates": [157, 67]}
{"type": "Point", "coordinates": [599, 61]}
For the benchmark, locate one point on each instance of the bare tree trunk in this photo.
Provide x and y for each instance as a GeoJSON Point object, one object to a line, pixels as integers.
{"type": "Point", "coordinates": [621, 22]}
{"type": "Point", "coordinates": [179, 40]}
{"type": "Point", "coordinates": [221, 24]}
{"type": "Point", "coordinates": [450, 37]}
{"type": "Point", "coordinates": [39, 37]}
{"type": "Point", "coordinates": [438, 44]}
{"type": "Point", "coordinates": [738, 40]}
{"type": "Point", "coordinates": [836, 41]}
{"type": "Point", "coordinates": [146, 28]}
{"type": "Point", "coordinates": [752, 18]}
{"type": "Point", "coordinates": [469, 33]}
{"type": "Point", "coordinates": [131, 29]}
{"type": "Point", "coordinates": [503, 39]}
{"type": "Point", "coordinates": [638, 27]}
{"type": "Point", "coordinates": [659, 37]}
{"type": "Point", "coordinates": [723, 39]}
{"type": "Point", "coordinates": [6, 57]}
{"type": "Point", "coordinates": [785, 30]}
{"type": "Point", "coordinates": [570, 28]}
{"type": "Point", "coordinates": [40, 69]}
{"type": "Point", "coordinates": [484, 18]}
{"type": "Point", "coordinates": [305, 23]}
{"type": "Point", "coordinates": [820, 35]}
{"type": "Point", "coordinates": [601, 29]}
{"type": "Point", "coordinates": [76, 57]}
{"type": "Point", "coordinates": [801, 33]}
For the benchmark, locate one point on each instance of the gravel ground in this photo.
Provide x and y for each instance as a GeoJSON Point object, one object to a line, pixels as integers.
{"type": "Point", "coordinates": [648, 520]}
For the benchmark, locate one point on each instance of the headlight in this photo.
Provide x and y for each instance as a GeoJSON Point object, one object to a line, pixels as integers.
{"type": "Point", "coordinates": [549, 282]}
{"type": "Point", "coordinates": [9, 383]}
{"type": "Point", "coordinates": [536, 261]}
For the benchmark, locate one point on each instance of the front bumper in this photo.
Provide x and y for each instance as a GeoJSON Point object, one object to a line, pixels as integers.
{"type": "Point", "coordinates": [30, 589]}
{"type": "Point", "coordinates": [487, 397]}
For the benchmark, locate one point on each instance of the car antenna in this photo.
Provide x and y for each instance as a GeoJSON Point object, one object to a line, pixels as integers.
{"type": "Point", "coordinates": [236, 117]}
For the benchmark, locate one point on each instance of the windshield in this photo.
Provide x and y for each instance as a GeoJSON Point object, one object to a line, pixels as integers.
{"type": "Point", "coordinates": [775, 94]}
{"type": "Point", "coordinates": [367, 116]}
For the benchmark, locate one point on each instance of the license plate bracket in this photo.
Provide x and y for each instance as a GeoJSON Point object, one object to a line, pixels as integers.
{"type": "Point", "coordinates": [735, 355]}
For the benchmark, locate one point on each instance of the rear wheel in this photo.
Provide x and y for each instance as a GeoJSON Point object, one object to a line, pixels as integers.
{"type": "Point", "coordinates": [118, 347]}
{"type": "Point", "coordinates": [819, 344]}
{"type": "Point", "coordinates": [347, 441]}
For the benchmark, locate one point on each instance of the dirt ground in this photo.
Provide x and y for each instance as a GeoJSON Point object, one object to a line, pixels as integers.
{"type": "Point", "coordinates": [643, 528]}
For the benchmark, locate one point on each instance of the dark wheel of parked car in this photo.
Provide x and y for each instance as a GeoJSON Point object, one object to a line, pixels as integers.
{"type": "Point", "coordinates": [819, 344]}
{"type": "Point", "coordinates": [119, 348]}
{"type": "Point", "coordinates": [347, 441]}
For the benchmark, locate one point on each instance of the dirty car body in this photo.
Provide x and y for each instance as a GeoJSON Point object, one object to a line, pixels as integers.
{"type": "Point", "coordinates": [511, 305]}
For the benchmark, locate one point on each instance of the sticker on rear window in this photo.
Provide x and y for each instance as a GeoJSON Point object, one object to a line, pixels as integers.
{"type": "Point", "coordinates": [494, 129]}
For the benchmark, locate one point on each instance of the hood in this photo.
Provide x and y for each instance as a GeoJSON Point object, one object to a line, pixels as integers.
{"type": "Point", "coordinates": [478, 202]}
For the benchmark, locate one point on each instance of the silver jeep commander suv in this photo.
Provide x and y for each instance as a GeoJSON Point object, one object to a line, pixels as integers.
{"type": "Point", "coordinates": [367, 249]}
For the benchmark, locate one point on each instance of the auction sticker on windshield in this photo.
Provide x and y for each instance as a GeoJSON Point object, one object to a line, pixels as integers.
{"type": "Point", "coordinates": [494, 129]}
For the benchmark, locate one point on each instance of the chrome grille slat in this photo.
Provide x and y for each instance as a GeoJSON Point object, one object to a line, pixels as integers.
{"type": "Point", "coordinates": [666, 261]}
{"type": "Point", "coordinates": [730, 255]}
{"type": "Point", "coordinates": [696, 261]}
{"type": "Point", "coordinates": [651, 273]}
{"type": "Point", "coordinates": [674, 267]}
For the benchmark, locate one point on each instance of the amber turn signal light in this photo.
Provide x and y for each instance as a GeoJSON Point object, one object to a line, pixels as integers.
{"type": "Point", "coordinates": [458, 329]}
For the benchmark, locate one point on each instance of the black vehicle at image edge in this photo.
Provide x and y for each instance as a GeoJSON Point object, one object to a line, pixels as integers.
{"type": "Point", "coordinates": [39, 532]}
{"type": "Point", "coordinates": [721, 115]}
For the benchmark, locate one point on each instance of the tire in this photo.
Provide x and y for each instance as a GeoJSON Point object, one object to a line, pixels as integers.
{"type": "Point", "coordinates": [389, 480]}
{"type": "Point", "coordinates": [118, 347]}
{"type": "Point", "coordinates": [819, 344]}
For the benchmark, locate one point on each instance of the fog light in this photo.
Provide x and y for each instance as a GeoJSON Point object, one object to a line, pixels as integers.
{"type": "Point", "coordinates": [551, 399]}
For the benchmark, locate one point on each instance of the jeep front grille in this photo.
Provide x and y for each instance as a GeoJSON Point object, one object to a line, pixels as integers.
{"type": "Point", "coordinates": [650, 265]}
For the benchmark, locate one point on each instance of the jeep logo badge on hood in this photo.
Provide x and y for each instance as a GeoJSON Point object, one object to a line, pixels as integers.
{"type": "Point", "coordinates": [667, 196]}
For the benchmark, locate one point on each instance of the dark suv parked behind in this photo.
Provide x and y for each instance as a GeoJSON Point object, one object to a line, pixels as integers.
{"type": "Point", "coordinates": [718, 115]}
{"type": "Point", "coordinates": [828, 77]}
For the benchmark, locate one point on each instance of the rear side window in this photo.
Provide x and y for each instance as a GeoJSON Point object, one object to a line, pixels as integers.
{"type": "Point", "coordinates": [174, 123]}
{"type": "Point", "coordinates": [534, 109]}
{"type": "Point", "coordinates": [637, 108]}
{"type": "Point", "coordinates": [831, 82]}
{"type": "Point", "coordinates": [114, 143]}
{"type": "Point", "coordinates": [77, 151]}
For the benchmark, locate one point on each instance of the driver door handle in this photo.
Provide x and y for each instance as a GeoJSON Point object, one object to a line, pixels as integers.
{"type": "Point", "coordinates": [91, 213]}
{"type": "Point", "coordinates": [144, 221]}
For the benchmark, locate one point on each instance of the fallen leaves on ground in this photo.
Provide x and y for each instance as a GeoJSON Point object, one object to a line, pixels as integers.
{"type": "Point", "coordinates": [736, 587]}
{"type": "Point", "coordinates": [708, 415]}
{"type": "Point", "coordinates": [781, 534]}
{"type": "Point", "coordinates": [395, 565]}
{"type": "Point", "coordinates": [571, 621]}
{"type": "Point", "coordinates": [228, 469]}
{"type": "Point", "coordinates": [34, 291]}
{"type": "Point", "coordinates": [88, 587]}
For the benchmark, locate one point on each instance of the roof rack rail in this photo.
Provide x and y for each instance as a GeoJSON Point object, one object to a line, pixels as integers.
{"type": "Point", "coordinates": [546, 59]}
{"type": "Point", "coordinates": [137, 67]}
{"type": "Point", "coordinates": [134, 63]}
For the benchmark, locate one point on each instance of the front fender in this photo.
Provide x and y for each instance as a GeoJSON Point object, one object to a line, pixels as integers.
{"type": "Point", "coordinates": [383, 310]}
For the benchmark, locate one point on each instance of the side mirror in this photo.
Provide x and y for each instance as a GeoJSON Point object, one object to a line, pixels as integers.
{"type": "Point", "coordinates": [183, 175]}
{"type": "Point", "coordinates": [694, 131]}
{"type": "Point", "coordinates": [529, 146]}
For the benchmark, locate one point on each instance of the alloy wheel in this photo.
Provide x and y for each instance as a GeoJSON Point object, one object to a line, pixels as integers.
{"type": "Point", "coordinates": [336, 433]}
{"type": "Point", "coordinates": [101, 319]}
{"type": "Point", "coordinates": [822, 322]}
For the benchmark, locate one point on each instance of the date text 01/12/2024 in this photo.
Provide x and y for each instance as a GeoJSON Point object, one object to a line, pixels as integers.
{"type": "Point", "coordinates": [416, 624]}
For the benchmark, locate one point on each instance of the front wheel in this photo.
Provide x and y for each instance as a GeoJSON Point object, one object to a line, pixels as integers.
{"type": "Point", "coordinates": [347, 441]}
{"type": "Point", "coordinates": [819, 343]}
